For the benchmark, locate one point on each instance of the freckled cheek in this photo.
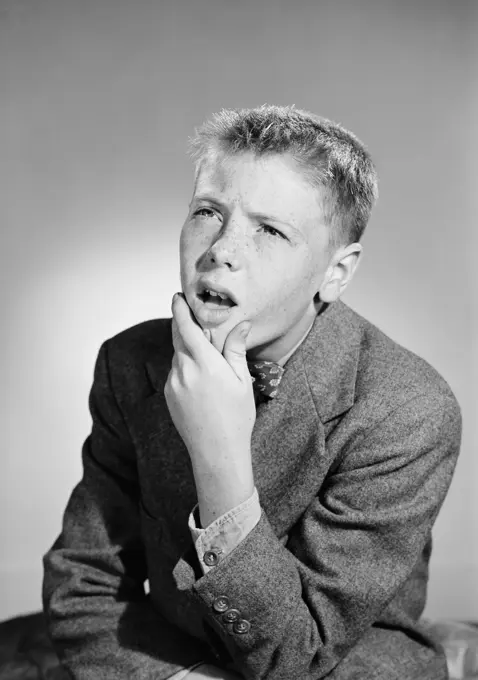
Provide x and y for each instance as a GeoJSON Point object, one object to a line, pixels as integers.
{"type": "Point", "coordinates": [189, 251]}
{"type": "Point", "coordinates": [271, 297]}
{"type": "Point", "coordinates": [193, 246]}
{"type": "Point", "coordinates": [288, 296]}
{"type": "Point", "coordinates": [282, 280]}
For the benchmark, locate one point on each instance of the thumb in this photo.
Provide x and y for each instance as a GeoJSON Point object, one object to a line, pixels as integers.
{"type": "Point", "coordinates": [235, 349]}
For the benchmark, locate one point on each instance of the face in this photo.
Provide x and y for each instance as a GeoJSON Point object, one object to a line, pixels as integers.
{"type": "Point", "coordinates": [255, 228]}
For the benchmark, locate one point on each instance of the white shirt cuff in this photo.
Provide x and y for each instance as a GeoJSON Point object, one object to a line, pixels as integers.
{"type": "Point", "coordinates": [220, 538]}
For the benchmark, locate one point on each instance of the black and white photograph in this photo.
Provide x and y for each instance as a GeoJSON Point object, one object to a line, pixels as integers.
{"type": "Point", "coordinates": [239, 340]}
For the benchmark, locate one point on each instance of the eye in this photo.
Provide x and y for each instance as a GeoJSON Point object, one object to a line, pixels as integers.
{"type": "Point", "coordinates": [204, 212]}
{"type": "Point", "coordinates": [272, 231]}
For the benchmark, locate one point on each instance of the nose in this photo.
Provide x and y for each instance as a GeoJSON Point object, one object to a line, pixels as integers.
{"type": "Point", "coordinates": [228, 247]}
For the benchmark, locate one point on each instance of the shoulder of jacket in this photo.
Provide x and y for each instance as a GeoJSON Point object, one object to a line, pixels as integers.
{"type": "Point", "coordinates": [142, 339]}
{"type": "Point", "coordinates": [389, 369]}
{"type": "Point", "coordinates": [131, 351]}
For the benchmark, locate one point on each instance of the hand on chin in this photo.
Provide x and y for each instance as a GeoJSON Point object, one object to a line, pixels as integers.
{"type": "Point", "coordinates": [217, 336]}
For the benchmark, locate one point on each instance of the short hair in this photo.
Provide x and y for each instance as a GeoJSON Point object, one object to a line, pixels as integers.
{"type": "Point", "coordinates": [330, 157]}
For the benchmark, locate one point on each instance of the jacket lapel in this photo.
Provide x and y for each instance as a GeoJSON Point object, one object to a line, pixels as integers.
{"type": "Point", "coordinates": [289, 455]}
{"type": "Point", "coordinates": [329, 357]}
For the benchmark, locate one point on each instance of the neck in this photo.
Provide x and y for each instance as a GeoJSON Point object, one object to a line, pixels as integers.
{"type": "Point", "coordinates": [281, 350]}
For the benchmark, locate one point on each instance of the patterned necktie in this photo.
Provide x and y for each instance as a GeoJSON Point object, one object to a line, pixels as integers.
{"type": "Point", "coordinates": [266, 376]}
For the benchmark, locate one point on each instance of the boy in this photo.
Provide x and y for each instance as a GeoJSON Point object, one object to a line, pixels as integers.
{"type": "Point", "coordinates": [267, 459]}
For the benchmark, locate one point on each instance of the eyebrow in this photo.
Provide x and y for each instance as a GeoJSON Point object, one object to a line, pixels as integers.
{"type": "Point", "coordinates": [263, 217]}
{"type": "Point", "coordinates": [206, 197]}
{"type": "Point", "coordinates": [272, 218]}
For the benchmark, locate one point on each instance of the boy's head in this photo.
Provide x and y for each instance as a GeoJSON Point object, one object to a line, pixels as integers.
{"type": "Point", "coordinates": [280, 202]}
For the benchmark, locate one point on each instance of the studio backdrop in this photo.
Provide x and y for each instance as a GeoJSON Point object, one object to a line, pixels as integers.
{"type": "Point", "coordinates": [97, 100]}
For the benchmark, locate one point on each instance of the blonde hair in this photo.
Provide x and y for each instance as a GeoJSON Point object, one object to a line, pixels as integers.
{"type": "Point", "coordinates": [331, 158]}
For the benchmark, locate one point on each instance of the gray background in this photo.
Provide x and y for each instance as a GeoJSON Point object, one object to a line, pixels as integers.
{"type": "Point", "coordinates": [97, 99]}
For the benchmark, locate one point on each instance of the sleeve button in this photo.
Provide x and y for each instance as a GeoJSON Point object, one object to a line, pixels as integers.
{"type": "Point", "coordinates": [210, 558]}
{"type": "Point", "coordinates": [221, 603]}
{"type": "Point", "coordinates": [241, 626]}
{"type": "Point", "coordinates": [231, 615]}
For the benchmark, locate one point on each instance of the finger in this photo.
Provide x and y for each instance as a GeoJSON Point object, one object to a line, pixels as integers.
{"type": "Point", "coordinates": [190, 332]}
{"type": "Point", "coordinates": [216, 339]}
{"type": "Point", "coordinates": [178, 344]}
{"type": "Point", "coordinates": [235, 350]}
{"type": "Point", "coordinates": [175, 362]}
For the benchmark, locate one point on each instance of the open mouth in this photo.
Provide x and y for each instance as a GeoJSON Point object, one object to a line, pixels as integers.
{"type": "Point", "coordinates": [215, 301]}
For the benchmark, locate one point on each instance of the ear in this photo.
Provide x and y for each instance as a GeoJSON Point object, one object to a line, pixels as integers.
{"type": "Point", "coordinates": [340, 272]}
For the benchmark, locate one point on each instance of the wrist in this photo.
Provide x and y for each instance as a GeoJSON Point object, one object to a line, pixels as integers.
{"type": "Point", "coordinates": [217, 494]}
{"type": "Point", "coordinates": [210, 509]}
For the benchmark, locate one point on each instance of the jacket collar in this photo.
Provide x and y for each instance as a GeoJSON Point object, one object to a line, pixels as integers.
{"type": "Point", "coordinates": [326, 362]}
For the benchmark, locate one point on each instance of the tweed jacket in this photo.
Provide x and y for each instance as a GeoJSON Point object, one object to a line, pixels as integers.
{"type": "Point", "coordinates": [352, 461]}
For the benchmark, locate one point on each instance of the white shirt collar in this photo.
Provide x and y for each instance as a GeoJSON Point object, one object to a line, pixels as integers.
{"type": "Point", "coordinates": [283, 360]}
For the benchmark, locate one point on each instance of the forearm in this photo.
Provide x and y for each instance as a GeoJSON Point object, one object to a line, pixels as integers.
{"type": "Point", "coordinates": [273, 630]}
{"type": "Point", "coordinates": [223, 481]}
{"type": "Point", "coordinates": [308, 600]}
{"type": "Point", "coordinates": [112, 634]}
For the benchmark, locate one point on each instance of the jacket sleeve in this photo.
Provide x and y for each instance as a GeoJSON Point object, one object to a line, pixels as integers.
{"type": "Point", "coordinates": [99, 616]}
{"type": "Point", "coordinates": [226, 532]}
{"type": "Point", "coordinates": [304, 605]}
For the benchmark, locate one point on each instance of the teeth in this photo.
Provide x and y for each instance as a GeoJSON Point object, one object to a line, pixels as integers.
{"type": "Point", "coordinates": [214, 294]}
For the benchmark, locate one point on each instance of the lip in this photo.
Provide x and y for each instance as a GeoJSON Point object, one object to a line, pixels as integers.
{"type": "Point", "coordinates": [207, 283]}
{"type": "Point", "coordinates": [209, 315]}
